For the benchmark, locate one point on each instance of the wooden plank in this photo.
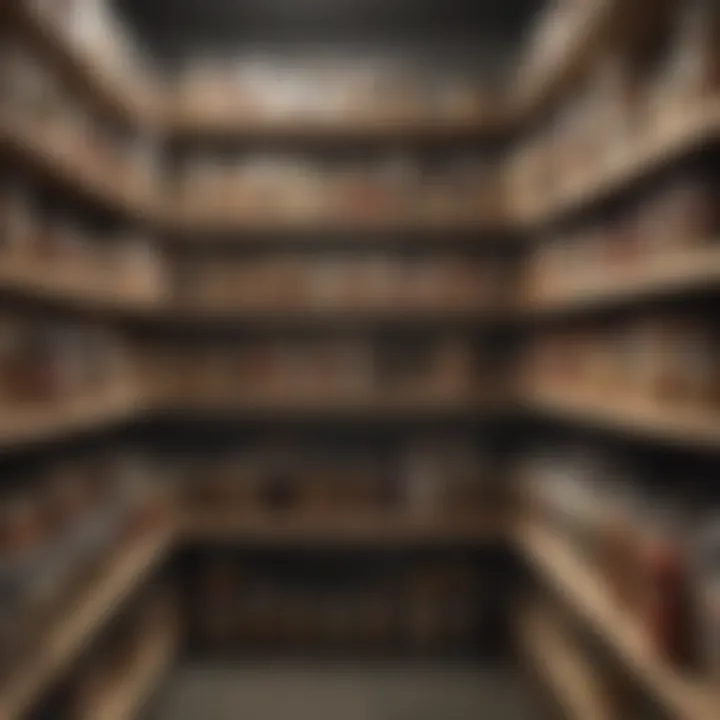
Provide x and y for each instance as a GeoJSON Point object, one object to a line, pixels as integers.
{"type": "Point", "coordinates": [671, 423]}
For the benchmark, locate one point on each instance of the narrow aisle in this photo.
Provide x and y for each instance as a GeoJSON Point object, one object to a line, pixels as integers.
{"type": "Point", "coordinates": [285, 691]}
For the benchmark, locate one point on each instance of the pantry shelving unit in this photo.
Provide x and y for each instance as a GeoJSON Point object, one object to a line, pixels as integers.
{"type": "Point", "coordinates": [557, 565]}
{"type": "Point", "coordinates": [662, 276]}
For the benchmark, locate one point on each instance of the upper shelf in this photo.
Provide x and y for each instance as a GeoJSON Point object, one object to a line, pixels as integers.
{"type": "Point", "coordinates": [125, 99]}
{"type": "Point", "coordinates": [134, 101]}
{"type": "Point", "coordinates": [542, 78]}
{"type": "Point", "coordinates": [670, 139]}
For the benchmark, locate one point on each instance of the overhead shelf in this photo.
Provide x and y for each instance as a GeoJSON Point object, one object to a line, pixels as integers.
{"type": "Point", "coordinates": [542, 78]}
{"type": "Point", "coordinates": [665, 274]}
{"type": "Point", "coordinates": [66, 637]}
{"type": "Point", "coordinates": [683, 697]}
{"type": "Point", "coordinates": [669, 423]}
{"type": "Point", "coordinates": [121, 98]}
{"type": "Point", "coordinates": [672, 138]}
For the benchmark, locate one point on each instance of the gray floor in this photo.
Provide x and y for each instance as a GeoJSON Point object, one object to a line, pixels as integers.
{"type": "Point", "coordinates": [293, 692]}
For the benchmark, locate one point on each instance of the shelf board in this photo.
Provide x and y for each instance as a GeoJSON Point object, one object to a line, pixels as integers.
{"type": "Point", "coordinates": [673, 273]}
{"type": "Point", "coordinates": [106, 89]}
{"type": "Point", "coordinates": [344, 315]}
{"type": "Point", "coordinates": [677, 135]}
{"type": "Point", "coordinates": [37, 152]}
{"type": "Point", "coordinates": [673, 424]}
{"type": "Point", "coordinates": [324, 405]}
{"type": "Point", "coordinates": [66, 638]}
{"type": "Point", "coordinates": [33, 423]}
{"type": "Point", "coordinates": [568, 675]}
{"type": "Point", "coordinates": [584, 590]}
{"type": "Point", "coordinates": [201, 222]}
{"type": "Point", "coordinates": [334, 529]}
{"type": "Point", "coordinates": [186, 124]}
{"type": "Point", "coordinates": [74, 286]}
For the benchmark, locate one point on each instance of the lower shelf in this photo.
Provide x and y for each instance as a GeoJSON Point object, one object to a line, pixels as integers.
{"type": "Point", "coordinates": [73, 630]}
{"type": "Point", "coordinates": [129, 698]}
{"type": "Point", "coordinates": [568, 677]}
{"type": "Point", "coordinates": [584, 591]}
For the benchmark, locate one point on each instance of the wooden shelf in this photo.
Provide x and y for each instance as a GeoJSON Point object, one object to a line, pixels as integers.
{"type": "Point", "coordinates": [324, 405]}
{"type": "Point", "coordinates": [672, 138]}
{"type": "Point", "coordinates": [539, 82]}
{"type": "Point", "coordinates": [673, 424]}
{"type": "Point", "coordinates": [569, 677]}
{"type": "Point", "coordinates": [77, 287]}
{"type": "Point", "coordinates": [109, 92]}
{"type": "Point", "coordinates": [584, 591]}
{"type": "Point", "coordinates": [41, 422]}
{"type": "Point", "coordinates": [37, 152]}
{"type": "Point", "coordinates": [673, 273]}
{"type": "Point", "coordinates": [185, 124]}
{"type": "Point", "coordinates": [134, 691]}
{"type": "Point", "coordinates": [66, 638]}
{"type": "Point", "coordinates": [371, 315]}
{"type": "Point", "coordinates": [334, 529]}
{"type": "Point", "coordinates": [210, 222]}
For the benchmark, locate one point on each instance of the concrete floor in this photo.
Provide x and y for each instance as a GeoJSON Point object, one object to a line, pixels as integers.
{"type": "Point", "coordinates": [291, 691]}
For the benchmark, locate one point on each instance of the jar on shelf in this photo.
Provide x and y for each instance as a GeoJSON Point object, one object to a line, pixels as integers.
{"type": "Point", "coordinates": [619, 548]}
{"type": "Point", "coordinates": [665, 586]}
{"type": "Point", "coordinates": [705, 547]}
{"type": "Point", "coordinates": [23, 535]}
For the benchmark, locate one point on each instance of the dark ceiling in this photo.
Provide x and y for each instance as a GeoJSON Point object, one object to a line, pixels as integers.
{"type": "Point", "coordinates": [174, 29]}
